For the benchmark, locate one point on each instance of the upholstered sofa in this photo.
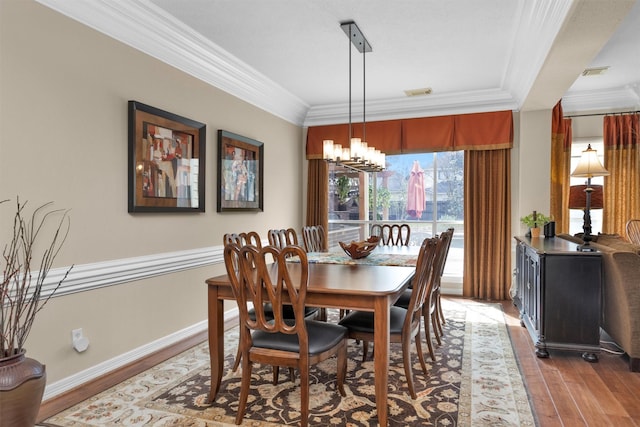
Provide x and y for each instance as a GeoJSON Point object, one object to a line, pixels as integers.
{"type": "Point", "coordinates": [621, 292]}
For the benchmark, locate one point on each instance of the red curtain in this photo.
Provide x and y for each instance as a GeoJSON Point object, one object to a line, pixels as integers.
{"type": "Point", "coordinates": [479, 131]}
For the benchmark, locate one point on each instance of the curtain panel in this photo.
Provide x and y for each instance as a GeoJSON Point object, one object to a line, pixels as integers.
{"type": "Point", "coordinates": [318, 194]}
{"type": "Point", "coordinates": [487, 232]}
{"type": "Point", "coordinates": [622, 160]}
{"type": "Point", "coordinates": [560, 168]}
{"type": "Point", "coordinates": [479, 131]}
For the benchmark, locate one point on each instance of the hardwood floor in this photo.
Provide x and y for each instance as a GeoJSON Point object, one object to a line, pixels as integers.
{"type": "Point", "coordinates": [568, 391]}
{"type": "Point", "coordinates": [565, 390]}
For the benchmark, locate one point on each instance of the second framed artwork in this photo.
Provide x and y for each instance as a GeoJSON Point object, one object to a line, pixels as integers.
{"type": "Point", "coordinates": [240, 173]}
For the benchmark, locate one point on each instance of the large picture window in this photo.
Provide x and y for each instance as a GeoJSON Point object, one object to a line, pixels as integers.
{"type": "Point", "coordinates": [425, 190]}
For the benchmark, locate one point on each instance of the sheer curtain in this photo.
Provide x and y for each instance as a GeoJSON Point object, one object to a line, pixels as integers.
{"type": "Point", "coordinates": [621, 159]}
{"type": "Point", "coordinates": [487, 224]}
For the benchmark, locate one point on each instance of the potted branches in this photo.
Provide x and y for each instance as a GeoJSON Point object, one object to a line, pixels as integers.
{"type": "Point", "coordinates": [22, 379]}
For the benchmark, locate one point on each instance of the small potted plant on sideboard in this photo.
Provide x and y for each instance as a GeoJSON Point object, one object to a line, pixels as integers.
{"type": "Point", "coordinates": [535, 221]}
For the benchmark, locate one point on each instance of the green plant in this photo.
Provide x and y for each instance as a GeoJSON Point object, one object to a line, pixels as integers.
{"type": "Point", "coordinates": [535, 219]}
{"type": "Point", "coordinates": [343, 188]}
{"type": "Point", "coordinates": [20, 291]}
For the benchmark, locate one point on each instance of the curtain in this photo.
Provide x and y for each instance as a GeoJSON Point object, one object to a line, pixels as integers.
{"type": "Point", "coordinates": [621, 159]}
{"type": "Point", "coordinates": [478, 131]}
{"type": "Point", "coordinates": [318, 194]}
{"type": "Point", "coordinates": [487, 224]}
{"type": "Point", "coordinates": [560, 168]}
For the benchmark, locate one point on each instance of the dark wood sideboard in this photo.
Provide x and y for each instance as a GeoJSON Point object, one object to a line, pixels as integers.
{"type": "Point", "coordinates": [559, 295]}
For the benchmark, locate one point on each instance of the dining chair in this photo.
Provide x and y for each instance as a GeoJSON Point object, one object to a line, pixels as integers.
{"type": "Point", "coordinates": [253, 238]}
{"type": "Point", "coordinates": [283, 237]}
{"type": "Point", "coordinates": [404, 323]}
{"type": "Point", "coordinates": [633, 231]}
{"type": "Point", "coordinates": [392, 234]}
{"type": "Point", "coordinates": [287, 237]}
{"type": "Point", "coordinates": [263, 277]}
{"type": "Point", "coordinates": [430, 314]}
{"type": "Point", "coordinates": [314, 238]}
{"type": "Point", "coordinates": [437, 297]}
{"type": "Point", "coordinates": [243, 239]}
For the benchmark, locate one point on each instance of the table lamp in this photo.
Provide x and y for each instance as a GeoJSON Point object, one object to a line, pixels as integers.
{"type": "Point", "coordinates": [588, 196]}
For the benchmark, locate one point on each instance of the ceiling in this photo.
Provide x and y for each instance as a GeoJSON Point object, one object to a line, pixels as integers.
{"type": "Point", "coordinates": [291, 58]}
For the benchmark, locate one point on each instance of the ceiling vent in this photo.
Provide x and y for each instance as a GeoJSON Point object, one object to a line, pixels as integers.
{"type": "Point", "coordinates": [595, 71]}
{"type": "Point", "coordinates": [418, 92]}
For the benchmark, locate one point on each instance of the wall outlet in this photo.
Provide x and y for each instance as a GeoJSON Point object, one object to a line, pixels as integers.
{"type": "Point", "coordinates": [76, 334]}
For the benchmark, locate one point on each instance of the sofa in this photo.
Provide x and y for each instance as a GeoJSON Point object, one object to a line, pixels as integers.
{"type": "Point", "coordinates": [621, 292]}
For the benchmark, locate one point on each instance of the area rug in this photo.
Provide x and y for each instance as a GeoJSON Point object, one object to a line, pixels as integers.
{"type": "Point", "coordinates": [474, 381]}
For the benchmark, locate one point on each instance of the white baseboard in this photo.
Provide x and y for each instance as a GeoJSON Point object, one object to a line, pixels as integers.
{"type": "Point", "coordinates": [94, 372]}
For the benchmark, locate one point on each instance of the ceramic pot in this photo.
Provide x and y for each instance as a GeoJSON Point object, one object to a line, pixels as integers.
{"type": "Point", "coordinates": [22, 382]}
{"type": "Point", "coordinates": [535, 232]}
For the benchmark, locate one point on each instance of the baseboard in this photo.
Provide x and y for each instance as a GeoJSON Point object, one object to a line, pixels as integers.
{"type": "Point", "coordinates": [75, 389]}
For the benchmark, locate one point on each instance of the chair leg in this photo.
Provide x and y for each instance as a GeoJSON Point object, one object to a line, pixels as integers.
{"type": "Point", "coordinates": [365, 350]}
{"type": "Point", "coordinates": [244, 389]}
{"type": "Point", "coordinates": [440, 313]}
{"type": "Point", "coordinates": [434, 325]}
{"type": "Point", "coordinates": [304, 396]}
{"type": "Point", "coordinates": [406, 360]}
{"type": "Point", "coordinates": [236, 363]}
{"type": "Point", "coordinates": [420, 353]}
{"type": "Point", "coordinates": [276, 374]}
{"type": "Point", "coordinates": [342, 368]}
{"type": "Point", "coordinates": [427, 333]}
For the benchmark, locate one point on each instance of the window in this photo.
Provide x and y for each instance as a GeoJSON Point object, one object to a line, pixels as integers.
{"type": "Point", "coordinates": [425, 190]}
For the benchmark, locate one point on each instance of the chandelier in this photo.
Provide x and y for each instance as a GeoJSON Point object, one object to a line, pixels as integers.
{"type": "Point", "coordinates": [357, 154]}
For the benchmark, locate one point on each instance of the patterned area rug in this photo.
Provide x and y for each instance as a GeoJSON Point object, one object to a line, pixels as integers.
{"type": "Point", "coordinates": [474, 381]}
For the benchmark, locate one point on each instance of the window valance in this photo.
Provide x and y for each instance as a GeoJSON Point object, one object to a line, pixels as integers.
{"type": "Point", "coordinates": [478, 131]}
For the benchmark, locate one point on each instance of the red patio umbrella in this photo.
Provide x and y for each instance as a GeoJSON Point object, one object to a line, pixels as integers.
{"type": "Point", "coordinates": [415, 191]}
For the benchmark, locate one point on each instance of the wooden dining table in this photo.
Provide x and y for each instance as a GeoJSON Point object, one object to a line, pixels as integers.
{"type": "Point", "coordinates": [355, 287]}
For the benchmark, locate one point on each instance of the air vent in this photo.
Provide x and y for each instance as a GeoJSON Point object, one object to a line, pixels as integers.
{"type": "Point", "coordinates": [595, 71]}
{"type": "Point", "coordinates": [418, 92]}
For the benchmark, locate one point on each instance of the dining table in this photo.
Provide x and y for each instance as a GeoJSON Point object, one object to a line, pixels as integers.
{"type": "Point", "coordinates": [352, 286]}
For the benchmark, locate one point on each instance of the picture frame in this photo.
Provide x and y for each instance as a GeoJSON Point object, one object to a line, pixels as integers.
{"type": "Point", "coordinates": [166, 167]}
{"type": "Point", "coordinates": [240, 173]}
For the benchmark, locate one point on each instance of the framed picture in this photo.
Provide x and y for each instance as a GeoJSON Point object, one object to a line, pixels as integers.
{"type": "Point", "coordinates": [166, 161]}
{"type": "Point", "coordinates": [240, 173]}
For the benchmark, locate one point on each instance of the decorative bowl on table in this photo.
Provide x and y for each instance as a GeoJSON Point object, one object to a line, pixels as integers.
{"type": "Point", "coordinates": [357, 250]}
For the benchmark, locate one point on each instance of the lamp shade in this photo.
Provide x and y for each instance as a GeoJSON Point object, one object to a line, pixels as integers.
{"type": "Point", "coordinates": [589, 165]}
{"type": "Point", "coordinates": [578, 197]}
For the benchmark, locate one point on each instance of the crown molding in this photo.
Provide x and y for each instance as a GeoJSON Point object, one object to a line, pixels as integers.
{"type": "Point", "coordinates": [616, 99]}
{"type": "Point", "coordinates": [536, 31]}
{"type": "Point", "coordinates": [145, 27]}
{"type": "Point", "coordinates": [405, 108]}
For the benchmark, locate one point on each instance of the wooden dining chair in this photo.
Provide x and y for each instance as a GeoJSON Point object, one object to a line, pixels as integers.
{"type": "Point", "coordinates": [283, 237]}
{"type": "Point", "coordinates": [437, 297]}
{"type": "Point", "coordinates": [395, 234]}
{"type": "Point", "coordinates": [431, 314]}
{"type": "Point", "coordinates": [633, 231]}
{"type": "Point", "coordinates": [404, 324]}
{"type": "Point", "coordinates": [252, 238]}
{"type": "Point", "coordinates": [263, 277]}
{"type": "Point", "coordinates": [314, 238]}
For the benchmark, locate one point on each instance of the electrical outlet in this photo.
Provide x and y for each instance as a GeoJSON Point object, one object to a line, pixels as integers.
{"type": "Point", "coordinates": [76, 334]}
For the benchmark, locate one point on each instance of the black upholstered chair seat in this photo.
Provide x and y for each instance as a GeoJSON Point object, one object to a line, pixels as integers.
{"type": "Point", "coordinates": [362, 321]}
{"type": "Point", "coordinates": [322, 337]}
{"type": "Point", "coordinates": [404, 299]}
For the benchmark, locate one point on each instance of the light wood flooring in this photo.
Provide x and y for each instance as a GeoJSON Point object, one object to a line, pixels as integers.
{"type": "Point", "coordinates": [565, 390]}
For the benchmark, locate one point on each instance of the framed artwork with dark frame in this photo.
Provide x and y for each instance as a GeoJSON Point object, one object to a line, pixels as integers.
{"type": "Point", "coordinates": [240, 173]}
{"type": "Point", "coordinates": [166, 161]}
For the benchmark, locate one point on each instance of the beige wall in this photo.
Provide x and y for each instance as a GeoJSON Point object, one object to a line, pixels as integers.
{"type": "Point", "coordinates": [63, 137]}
